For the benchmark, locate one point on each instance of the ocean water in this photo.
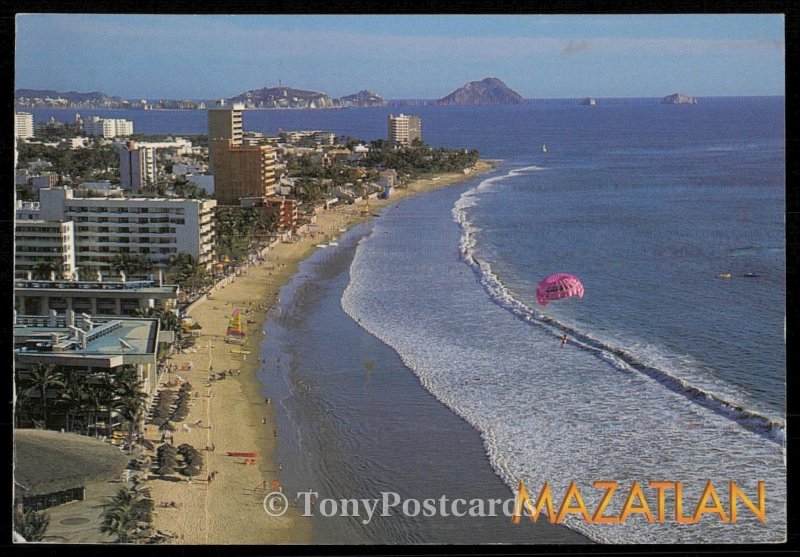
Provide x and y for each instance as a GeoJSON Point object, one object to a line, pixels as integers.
{"type": "Point", "coordinates": [670, 373]}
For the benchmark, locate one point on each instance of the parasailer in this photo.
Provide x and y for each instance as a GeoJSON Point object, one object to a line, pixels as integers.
{"type": "Point", "coordinates": [558, 287]}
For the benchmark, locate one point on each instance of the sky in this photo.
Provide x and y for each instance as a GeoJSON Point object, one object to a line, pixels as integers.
{"type": "Point", "coordinates": [402, 56]}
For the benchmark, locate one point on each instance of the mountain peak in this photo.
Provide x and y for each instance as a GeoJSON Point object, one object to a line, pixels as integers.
{"type": "Point", "coordinates": [490, 90]}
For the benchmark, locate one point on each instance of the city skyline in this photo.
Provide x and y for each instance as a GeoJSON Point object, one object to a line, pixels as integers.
{"type": "Point", "coordinates": [204, 57]}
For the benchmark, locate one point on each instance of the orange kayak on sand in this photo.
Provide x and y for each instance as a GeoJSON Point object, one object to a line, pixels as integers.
{"type": "Point", "coordinates": [241, 454]}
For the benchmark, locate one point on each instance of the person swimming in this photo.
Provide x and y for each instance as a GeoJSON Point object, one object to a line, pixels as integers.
{"type": "Point", "coordinates": [564, 340]}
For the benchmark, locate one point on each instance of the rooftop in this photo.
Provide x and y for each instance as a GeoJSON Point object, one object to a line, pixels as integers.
{"type": "Point", "coordinates": [91, 286]}
{"type": "Point", "coordinates": [86, 337]}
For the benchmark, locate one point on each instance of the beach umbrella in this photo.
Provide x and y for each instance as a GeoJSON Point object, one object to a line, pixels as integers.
{"type": "Point", "coordinates": [557, 287]}
{"type": "Point", "coordinates": [168, 425]}
{"type": "Point", "coordinates": [167, 449]}
{"type": "Point", "coordinates": [166, 459]}
{"type": "Point", "coordinates": [196, 461]}
{"type": "Point", "coordinates": [165, 471]}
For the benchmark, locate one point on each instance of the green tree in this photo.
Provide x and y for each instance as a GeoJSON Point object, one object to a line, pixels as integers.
{"type": "Point", "coordinates": [129, 399]}
{"type": "Point", "coordinates": [43, 269]}
{"type": "Point", "coordinates": [74, 397]}
{"type": "Point", "coordinates": [123, 513]}
{"type": "Point", "coordinates": [99, 397]}
{"type": "Point", "coordinates": [30, 524]}
{"type": "Point", "coordinates": [40, 379]}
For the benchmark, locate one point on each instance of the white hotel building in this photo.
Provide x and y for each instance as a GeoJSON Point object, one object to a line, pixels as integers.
{"type": "Point", "coordinates": [23, 125]}
{"type": "Point", "coordinates": [155, 227]}
{"type": "Point", "coordinates": [108, 127]}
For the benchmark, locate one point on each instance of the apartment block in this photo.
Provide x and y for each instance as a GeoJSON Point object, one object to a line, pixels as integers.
{"type": "Point", "coordinates": [137, 166]}
{"type": "Point", "coordinates": [43, 247]}
{"type": "Point", "coordinates": [242, 171]}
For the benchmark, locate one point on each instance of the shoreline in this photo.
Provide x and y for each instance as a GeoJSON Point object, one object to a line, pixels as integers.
{"type": "Point", "coordinates": [236, 418]}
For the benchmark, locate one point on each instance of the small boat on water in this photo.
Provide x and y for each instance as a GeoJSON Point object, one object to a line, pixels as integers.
{"type": "Point", "coordinates": [343, 230]}
{"type": "Point", "coordinates": [724, 275]}
{"type": "Point", "coordinates": [751, 275]}
{"type": "Point", "coordinates": [321, 245]}
{"type": "Point", "coordinates": [544, 148]}
{"type": "Point", "coordinates": [333, 243]}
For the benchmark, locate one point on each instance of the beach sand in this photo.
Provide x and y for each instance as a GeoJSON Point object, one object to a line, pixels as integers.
{"type": "Point", "coordinates": [228, 510]}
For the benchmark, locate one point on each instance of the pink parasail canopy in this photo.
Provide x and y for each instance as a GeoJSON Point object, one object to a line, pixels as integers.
{"type": "Point", "coordinates": [557, 287]}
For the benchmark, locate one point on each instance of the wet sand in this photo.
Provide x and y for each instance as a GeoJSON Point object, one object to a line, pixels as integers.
{"type": "Point", "coordinates": [232, 412]}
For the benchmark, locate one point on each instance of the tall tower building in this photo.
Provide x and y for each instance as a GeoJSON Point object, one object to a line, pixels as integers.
{"type": "Point", "coordinates": [224, 122]}
{"type": "Point", "coordinates": [404, 129]}
{"type": "Point", "coordinates": [137, 166]}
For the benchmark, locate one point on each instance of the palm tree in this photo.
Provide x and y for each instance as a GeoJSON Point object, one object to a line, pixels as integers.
{"type": "Point", "coordinates": [131, 410]}
{"type": "Point", "coordinates": [39, 380]}
{"type": "Point", "coordinates": [31, 525]}
{"type": "Point", "coordinates": [43, 269]}
{"type": "Point", "coordinates": [129, 399]}
{"type": "Point", "coordinates": [98, 400]}
{"type": "Point", "coordinates": [74, 397]}
{"type": "Point", "coordinates": [122, 514]}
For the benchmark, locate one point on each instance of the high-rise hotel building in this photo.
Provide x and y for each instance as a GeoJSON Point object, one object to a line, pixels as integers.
{"type": "Point", "coordinates": [224, 122]}
{"type": "Point", "coordinates": [404, 129]}
{"type": "Point", "coordinates": [239, 170]}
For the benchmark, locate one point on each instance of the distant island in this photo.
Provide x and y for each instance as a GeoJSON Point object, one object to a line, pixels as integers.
{"type": "Point", "coordinates": [283, 97]}
{"type": "Point", "coordinates": [677, 98]}
{"type": "Point", "coordinates": [67, 99]}
{"type": "Point", "coordinates": [362, 98]}
{"type": "Point", "coordinates": [589, 101]}
{"type": "Point", "coordinates": [487, 91]}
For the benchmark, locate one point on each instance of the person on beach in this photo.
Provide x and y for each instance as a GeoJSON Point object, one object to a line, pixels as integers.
{"type": "Point", "coordinates": [564, 340]}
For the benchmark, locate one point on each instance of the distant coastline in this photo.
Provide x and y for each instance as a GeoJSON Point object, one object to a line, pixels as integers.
{"type": "Point", "coordinates": [397, 103]}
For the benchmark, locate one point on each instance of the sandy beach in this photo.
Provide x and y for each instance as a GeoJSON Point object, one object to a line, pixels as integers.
{"type": "Point", "coordinates": [231, 414]}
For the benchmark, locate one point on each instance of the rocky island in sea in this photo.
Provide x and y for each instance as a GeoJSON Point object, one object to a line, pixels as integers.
{"type": "Point", "coordinates": [677, 98]}
{"type": "Point", "coordinates": [487, 91]}
{"type": "Point", "coordinates": [589, 101]}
